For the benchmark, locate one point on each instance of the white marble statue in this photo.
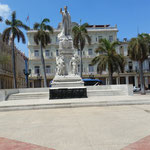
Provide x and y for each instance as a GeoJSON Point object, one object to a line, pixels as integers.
{"type": "Point", "coordinates": [74, 64]}
{"type": "Point", "coordinates": [66, 25]}
{"type": "Point", "coordinates": [61, 67]}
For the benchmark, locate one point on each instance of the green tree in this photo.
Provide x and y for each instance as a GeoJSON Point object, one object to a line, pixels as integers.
{"type": "Point", "coordinates": [42, 37]}
{"type": "Point", "coordinates": [108, 58]}
{"type": "Point", "coordinates": [9, 35]}
{"type": "Point", "coordinates": [80, 35]}
{"type": "Point", "coordinates": [138, 50]}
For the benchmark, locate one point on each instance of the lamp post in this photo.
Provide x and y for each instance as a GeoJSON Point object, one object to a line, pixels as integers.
{"type": "Point", "coordinates": [27, 73]}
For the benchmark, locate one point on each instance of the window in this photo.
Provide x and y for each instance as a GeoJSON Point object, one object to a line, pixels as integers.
{"type": "Point", "coordinates": [36, 53]}
{"type": "Point", "coordinates": [56, 39]}
{"type": "Point", "coordinates": [78, 52]}
{"type": "Point", "coordinates": [110, 38]}
{"type": "Point", "coordinates": [91, 38]}
{"type": "Point", "coordinates": [47, 53]}
{"type": "Point", "coordinates": [99, 37]}
{"type": "Point", "coordinates": [91, 68]}
{"type": "Point", "coordinates": [90, 51]}
{"type": "Point", "coordinates": [57, 53]}
{"type": "Point", "coordinates": [121, 50]}
{"type": "Point", "coordinates": [48, 69]}
{"type": "Point", "coordinates": [130, 66]}
{"type": "Point", "coordinates": [37, 69]}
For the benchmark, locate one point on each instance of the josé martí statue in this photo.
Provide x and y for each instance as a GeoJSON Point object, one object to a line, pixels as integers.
{"type": "Point", "coordinates": [67, 61]}
{"type": "Point", "coordinates": [66, 25]}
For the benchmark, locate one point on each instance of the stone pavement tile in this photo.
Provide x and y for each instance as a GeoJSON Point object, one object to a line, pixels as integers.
{"type": "Point", "coordinates": [143, 144]}
{"type": "Point", "coordinates": [7, 144]}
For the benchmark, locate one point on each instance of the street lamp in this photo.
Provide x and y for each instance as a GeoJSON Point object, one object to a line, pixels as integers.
{"type": "Point", "coordinates": [27, 73]}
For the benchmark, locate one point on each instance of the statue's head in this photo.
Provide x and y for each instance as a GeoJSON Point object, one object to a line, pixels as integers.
{"type": "Point", "coordinates": [65, 8]}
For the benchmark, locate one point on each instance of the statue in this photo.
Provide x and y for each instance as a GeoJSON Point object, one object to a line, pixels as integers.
{"type": "Point", "coordinates": [74, 64]}
{"type": "Point", "coordinates": [61, 68]}
{"type": "Point", "coordinates": [66, 25]}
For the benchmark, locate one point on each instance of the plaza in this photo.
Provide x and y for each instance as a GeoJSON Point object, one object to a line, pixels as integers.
{"type": "Point", "coordinates": [89, 128]}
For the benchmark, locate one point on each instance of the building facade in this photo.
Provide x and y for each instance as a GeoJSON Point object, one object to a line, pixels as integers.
{"type": "Point", "coordinates": [96, 32]}
{"type": "Point", "coordinates": [6, 74]}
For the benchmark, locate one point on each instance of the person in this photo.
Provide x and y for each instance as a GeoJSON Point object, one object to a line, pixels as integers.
{"type": "Point", "coordinates": [66, 24]}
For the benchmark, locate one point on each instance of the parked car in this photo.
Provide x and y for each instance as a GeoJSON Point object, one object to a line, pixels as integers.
{"type": "Point", "coordinates": [136, 89]}
{"type": "Point", "coordinates": [91, 82]}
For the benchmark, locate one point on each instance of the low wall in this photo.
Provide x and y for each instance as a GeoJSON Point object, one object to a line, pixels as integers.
{"type": "Point", "coordinates": [5, 93]}
{"type": "Point", "coordinates": [125, 88]}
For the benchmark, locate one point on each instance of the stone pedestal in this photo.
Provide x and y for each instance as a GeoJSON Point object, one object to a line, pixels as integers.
{"type": "Point", "coordinates": [71, 92]}
{"type": "Point", "coordinates": [67, 83]}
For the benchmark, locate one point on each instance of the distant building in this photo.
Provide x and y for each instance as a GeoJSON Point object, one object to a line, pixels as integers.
{"type": "Point", "coordinates": [6, 74]}
{"type": "Point", "coordinates": [96, 32]}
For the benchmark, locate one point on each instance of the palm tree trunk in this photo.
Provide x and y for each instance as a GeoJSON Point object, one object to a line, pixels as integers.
{"type": "Point", "coordinates": [43, 66]}
{"type": "Point", "coordinates": [141, 78]}
{"type": "Point", "coordinates": [13, 63]}
{"type": "Point", "coordinates": [81, 69]}
{"type": "Point", "coordinates": [110, 78]}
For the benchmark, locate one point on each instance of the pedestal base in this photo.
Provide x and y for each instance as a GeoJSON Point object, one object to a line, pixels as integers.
{"type": "Point", "coordinates": [64, 93]}
{"type": "Point", "coordinates": [67, 81]}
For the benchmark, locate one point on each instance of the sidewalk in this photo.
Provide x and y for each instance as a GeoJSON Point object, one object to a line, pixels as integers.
{"type": "Point", "coordinates": [136, 99]}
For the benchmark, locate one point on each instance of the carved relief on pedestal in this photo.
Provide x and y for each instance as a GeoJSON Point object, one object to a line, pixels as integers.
{"type": "Point", "coordinates": [74, 64]}
{"type": "Point", "coordinates": [60, 66]}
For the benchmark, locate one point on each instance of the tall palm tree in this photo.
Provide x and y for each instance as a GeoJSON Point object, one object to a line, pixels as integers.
{"type": "Point", "coordinates": [107, 58]}
{"type": "Point", "coordinates": [139, 49]}
{"type": "Point", "coordinates": [42, 37]}
{"type": "Point", "coordinates": [80, 35]}
{"type": "Point", "coordinates": [9, 35]}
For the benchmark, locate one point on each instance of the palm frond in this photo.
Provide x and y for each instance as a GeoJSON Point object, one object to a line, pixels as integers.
{"type": "Point", "coordinates": [21, 25]}
{"type": "Point", "coordinates": [1, 19]}
{"type": "Point", "coordinates": [45, 20]}
{"type": "Point", "coordinates": [8, 22]}
{"type": "Point", "coordinates": [6, 35]}
{"type": "Point", "coordinates": [36, 26]}
{"type": "Point", "coordinates": [19, 34]}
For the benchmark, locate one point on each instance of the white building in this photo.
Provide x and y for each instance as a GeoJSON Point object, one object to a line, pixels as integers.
{"type": "Point", "coordinates": [96, 32]}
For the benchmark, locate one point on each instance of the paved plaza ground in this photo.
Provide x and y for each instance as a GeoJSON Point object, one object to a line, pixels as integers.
{"type": "Point", "coordinates": [85, 128]}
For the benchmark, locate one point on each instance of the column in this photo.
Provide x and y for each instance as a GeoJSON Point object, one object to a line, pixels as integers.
{"type": "Point", "coordinates": [107, 82]}
{"type": "Point", "coordinates": [136, 81]}
{"type": "Point", "coordinates": [117, 80]}
{"type": "Point", "coordinates": [127, 80]}
{"type": "Point", "coordinates": [146, 82]}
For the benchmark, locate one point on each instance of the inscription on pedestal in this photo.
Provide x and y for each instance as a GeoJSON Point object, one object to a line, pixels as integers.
{"type": "Point", "coordinates": [63, 93]}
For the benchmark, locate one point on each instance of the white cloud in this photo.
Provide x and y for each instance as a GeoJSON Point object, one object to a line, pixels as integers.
{"type": "Point", "coordinates": [5, 11]}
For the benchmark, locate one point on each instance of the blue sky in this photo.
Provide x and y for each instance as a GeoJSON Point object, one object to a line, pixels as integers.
{"type": "Point", "coordinates": [131, 16]}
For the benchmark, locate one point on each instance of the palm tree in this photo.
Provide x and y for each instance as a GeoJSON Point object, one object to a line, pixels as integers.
{"type": "Point", "coordinates": [80, 35]}
{"type": "Point", "coordinates": [9, 35]}
{"type": "Point", "coordinates": [107, 58]}
{"type": "Point", "coordinates": [139, 49]}
{"type": "Point", "coordinates": [42, 37]}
